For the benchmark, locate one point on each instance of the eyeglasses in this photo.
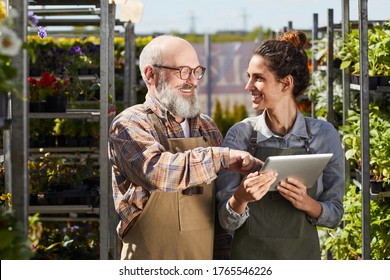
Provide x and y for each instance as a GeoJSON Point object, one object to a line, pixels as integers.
{"type": "Point", "coordinates": [185, 71]}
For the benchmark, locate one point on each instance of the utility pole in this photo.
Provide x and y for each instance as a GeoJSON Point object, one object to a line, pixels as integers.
{"type": "Point", "coordinates": [192, 23]}
{"type": "Point", "coordinates": [244, 20]}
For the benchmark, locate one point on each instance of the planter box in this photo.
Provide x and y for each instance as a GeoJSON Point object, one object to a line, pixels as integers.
{"type": "Point", "coordinates": [72, 197]}
{"type": "Point", "coordinates": [56, 104]}
{"type": "Point", "coordinates": [378, 187]}
{"type": "Point", "coordinates": [373, 81]}
{"type": "Point", "coordinates": [37, 106]}
{"type": "Point", "coordinates": [375, 186]}
{"type": "Point", "coordinates": [4, 122]}
{"type": "Point", "coordinates": [384, 81]}
{"type": "Point", "coordinates": [59, 194]}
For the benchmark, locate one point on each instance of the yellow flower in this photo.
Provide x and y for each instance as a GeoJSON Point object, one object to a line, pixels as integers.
{"type": "Point", "coordinates": [6, 198]}
{"type": "Point", "coordinates": [3, 11]}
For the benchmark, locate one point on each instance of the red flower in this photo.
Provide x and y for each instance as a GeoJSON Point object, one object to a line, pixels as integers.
{"type": "Point", "coordinates": [32, 81]}
{"type": "Point", "coordinates": [47, 80]}
{"type": "Point", "coordinates": [48, 84]}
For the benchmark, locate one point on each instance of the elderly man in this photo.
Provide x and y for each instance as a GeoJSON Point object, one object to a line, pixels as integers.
{"type": "Point", "coordinates": [165, 156]}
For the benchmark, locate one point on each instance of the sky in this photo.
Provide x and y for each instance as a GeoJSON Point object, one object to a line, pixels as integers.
{"type": "Point", "coordinates": [210, 16]}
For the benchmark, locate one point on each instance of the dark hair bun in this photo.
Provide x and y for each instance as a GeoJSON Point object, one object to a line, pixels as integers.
{"type": "Point", "coordinates": [295, 37]}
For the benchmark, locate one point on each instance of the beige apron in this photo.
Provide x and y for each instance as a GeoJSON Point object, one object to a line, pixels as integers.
{"type": "Point", "coordinates": [174, 225]}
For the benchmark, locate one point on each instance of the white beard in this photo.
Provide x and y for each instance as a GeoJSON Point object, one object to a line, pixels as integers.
{"type": "Point", "coordinates": [177, 104]}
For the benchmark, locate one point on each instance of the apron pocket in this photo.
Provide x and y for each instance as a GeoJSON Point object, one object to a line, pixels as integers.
{"type": "Point", "coordinates": [196, 211]}
{"type": "Point", "coordinates": [150, 206]}
{"type": "Point", "coordinates": [281, 220]}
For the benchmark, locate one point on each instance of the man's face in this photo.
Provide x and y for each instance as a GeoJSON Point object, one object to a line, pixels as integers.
{"type": "Point", "coordinates": [178, 96]}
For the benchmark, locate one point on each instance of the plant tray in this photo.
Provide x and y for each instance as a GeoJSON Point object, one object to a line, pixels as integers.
{"type": "Point", "coordinates": [72, 197]}
{"type": "Point", "coordinates": [375, 186]}
{"type": "Point", "coordinates": [373, 81]}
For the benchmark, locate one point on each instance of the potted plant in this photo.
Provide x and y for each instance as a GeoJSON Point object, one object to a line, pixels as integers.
{"type": "Point", "coordinates": [70, 183]}
{"type": "Point", "coordinates": [318, 91]}
{"type": "Point", "coordinates": [378, 55]}
{"type": "Point", "coordinates": [68, 240]}
{"type": "Point", "coordinates": [50, 90]}
{"type": "Point", "coordinates": [37, 98]}
{"type": "Point", "coordinates": [58, 180]}
{"type": "Point", "coordinates": [14, 243]}
{"type": "Point", "coordinates": [42, 133]}
{"type": "Point", "coordinates": [379, 145]}
{"type": "Point", "coordinates": [320, 50]}
{"type": "Point", "coordinates": [345, 243]}
{"type": "Point", "coordinates": [76, 132]}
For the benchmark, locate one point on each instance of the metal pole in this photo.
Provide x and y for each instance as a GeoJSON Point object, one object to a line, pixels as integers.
{"type": "Point", "coordinates": [290, 25]}
{"type": "Point", "coordinates": [129, 92]}
{"type": "Point", "coordinates": [330, 34]}
{"type": "Point", "coordinates": [346, 83]}
{"type": "Point", "coordinates": [364, 119]}
{"type": "Point", "coordinates": [133, 75]}
{"type": "Point", "coordinates": [313, 60]}
{"type": "Point", "coordinates": [127, 57]}
{"type": "Point", "coordinates": [104, 93]}
{"type": "Point", "coordinates": [208, 72]}
{"type": "Point", "coordinates": [19, 125]}
{"type": "Point", "coordinates": [345, 71]}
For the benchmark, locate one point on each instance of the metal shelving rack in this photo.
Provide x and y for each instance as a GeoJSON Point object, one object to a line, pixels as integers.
{"type": "Point", "coordinates": [363, 25]}
{"type": "Point", "coordinates": [364, 183]}
{"type": "Point", "coordinates": [17, 151]}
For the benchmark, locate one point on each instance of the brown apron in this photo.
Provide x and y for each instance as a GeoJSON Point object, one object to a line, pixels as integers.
{"type": "Point", "coordinates": [275, 229]}
{"type": "Point", "coordinates": [174, 225]}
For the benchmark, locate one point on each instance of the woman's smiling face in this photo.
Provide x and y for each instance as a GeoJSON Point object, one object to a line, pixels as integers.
{"type": "Point", "coordinates": [262, 84]}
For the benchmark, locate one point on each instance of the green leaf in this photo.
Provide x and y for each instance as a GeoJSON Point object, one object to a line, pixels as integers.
{"type": "Point", "coordinates": [350, 154]}
{"type": "Point", "coordinates": [345, 64]}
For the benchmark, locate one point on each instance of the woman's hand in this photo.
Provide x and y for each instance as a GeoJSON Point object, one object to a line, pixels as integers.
{"type": "Point", "coordinates": [296, 192]}
{"type": "Point", "coordinates": [253, 187]}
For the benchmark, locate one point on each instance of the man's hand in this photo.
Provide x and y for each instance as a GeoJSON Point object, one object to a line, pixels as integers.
{"type": "Point", "coordinates": [244, 162]}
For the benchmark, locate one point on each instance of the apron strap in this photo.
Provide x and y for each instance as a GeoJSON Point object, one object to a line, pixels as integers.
{"type": "Point", "coordinates": [193, 190]}
{"type": "Point", "coordinates": [307, 144]}
{"type": "Point", "coordinates": [253, 143]}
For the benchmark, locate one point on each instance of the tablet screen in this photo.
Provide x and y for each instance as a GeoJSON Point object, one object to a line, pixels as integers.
{"type": "Point", "coordinates": [305, 168]}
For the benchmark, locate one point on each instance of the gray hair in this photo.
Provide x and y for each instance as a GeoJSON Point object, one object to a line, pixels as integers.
{"type": "Point", "coordinates": [152, 54]}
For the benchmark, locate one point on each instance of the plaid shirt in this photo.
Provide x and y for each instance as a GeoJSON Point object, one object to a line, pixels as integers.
{"type": "Point", "coordinates": [140, 164]}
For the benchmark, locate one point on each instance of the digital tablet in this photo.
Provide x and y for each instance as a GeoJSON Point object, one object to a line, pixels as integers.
{"type": "Point", "coordinates": [306, 168]}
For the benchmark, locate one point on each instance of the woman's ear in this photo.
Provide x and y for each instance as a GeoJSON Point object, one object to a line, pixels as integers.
{"type": "Point", "coordinates": [288, 83]}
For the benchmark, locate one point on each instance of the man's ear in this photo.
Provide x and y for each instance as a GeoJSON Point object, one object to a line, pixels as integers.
{"type": "Point", "coordinates": [288, 83]}
{"type": "Point", "coordinates": [150, 74]}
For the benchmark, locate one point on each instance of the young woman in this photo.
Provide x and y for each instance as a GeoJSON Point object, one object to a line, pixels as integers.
{"type": "Point", "coordinates": [280, 224]}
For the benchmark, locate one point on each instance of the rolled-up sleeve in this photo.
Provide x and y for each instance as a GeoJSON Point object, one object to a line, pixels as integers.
{"type": "Point", "coordinates": [331, 195]}
{"type": "Point", "coordinates": [228, 181]}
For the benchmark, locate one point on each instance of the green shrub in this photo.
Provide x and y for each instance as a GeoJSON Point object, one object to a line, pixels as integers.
{"type": "Point", "coordinates": [226, 119]}
{"type": "Point", "coordinates": [346, 243]}
{"type": "Point", "coordinates": [378, 51]}
{"type": "Point", "coordinates": [14, 244]}
{"type": "Point", "coordinates": [64, 240]}
{"type": "Point", "coordinates": [379, 142]}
